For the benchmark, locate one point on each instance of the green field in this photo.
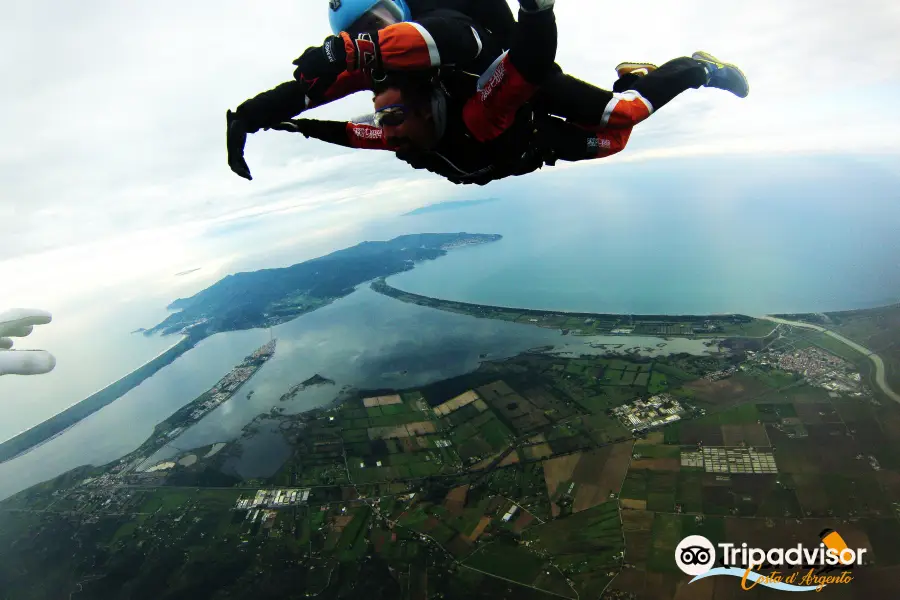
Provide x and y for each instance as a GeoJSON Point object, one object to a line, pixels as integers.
{"type": "Point", "coordinates": [588, 543]}
{"type": "Point", "coordinates": [657, 451]}
{"type": "Point", "coordinates": [658, 382]}
{"type": "Point", "coordinates": [496, 434]}
{"type": "Point", "coordinates": [165, 501]}
{"type": "Point", "coordinates": [775, 378]}
{"type": "Point", "coordinates": [740, 415]}
{"type": "Point", "coordinates": [635, 485]}
{"type": "Point", "coordinates": [673, 371]}
{"type": "Point", "coordinates": [395, 419]}
{"type": "Point", "coordinates": [781, 500]}
{"type": "Point", "coordinates": [603, 429]}
{"type": "Point", "coordinates": [355, 435]}
{"type": "Point", "coordinates": [672, 433]}
{"type": "Point", "coordinates": [394, 409]}
{"type": "Point", "coordinates": [661, 488]}
{"type": "Point", "coordinates": [595, 404]}
{"type": "Point", "coordinates": [352, 543]}
{"type": "Point", "coordinates": [689, 492]}
{"type": "Point", "coordinates": [507, 560]}
{"type": "Point", "coordinates": [667, 532]}
{"type": "Point", "coordinates": [712, 528]}
{"type": "Point", "coordinates": [883, 533]}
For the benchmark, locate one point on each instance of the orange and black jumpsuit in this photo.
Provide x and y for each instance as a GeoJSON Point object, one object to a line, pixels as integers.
{"type": "Point", "coordinates": [511, 124]}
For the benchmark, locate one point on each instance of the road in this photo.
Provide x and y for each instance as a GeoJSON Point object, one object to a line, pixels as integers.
{"type": "Point", "coordinates": [880, 379]}
{"type": "Point", "coordinates": [518, 582]}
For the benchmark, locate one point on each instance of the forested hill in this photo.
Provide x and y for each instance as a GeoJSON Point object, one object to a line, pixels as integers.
{"type": "Point", "coordinates": [271, 296]}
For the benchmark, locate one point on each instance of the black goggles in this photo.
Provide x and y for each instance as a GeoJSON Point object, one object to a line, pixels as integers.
{"type": "Point", "coordinates": [390, 116]}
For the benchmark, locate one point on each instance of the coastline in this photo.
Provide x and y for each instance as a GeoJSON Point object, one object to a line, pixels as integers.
{"type": "Point", "coordinates": [48, 429]}
{"type": "Point", "coordinates": [586, 323]}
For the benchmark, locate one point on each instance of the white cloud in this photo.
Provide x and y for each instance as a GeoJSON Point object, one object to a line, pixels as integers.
{"type": "Point", "coordinates": [113, 158]}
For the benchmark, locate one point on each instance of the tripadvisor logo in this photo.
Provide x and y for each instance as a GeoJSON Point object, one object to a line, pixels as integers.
{"type": "Point", "coordinates": [796, 569]}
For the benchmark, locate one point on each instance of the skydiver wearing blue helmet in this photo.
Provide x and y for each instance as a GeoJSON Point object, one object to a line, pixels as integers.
{"type": "Point", "coordinates": [437, 48]}
{"type": "Point", "coordinates": [356, 16]}
{"type": "Point", "coordinates": [510, 125]}
{"type": "Point", "coordinates": [467, 35]}
{"type": "Point", "coordinates": [476, 29]}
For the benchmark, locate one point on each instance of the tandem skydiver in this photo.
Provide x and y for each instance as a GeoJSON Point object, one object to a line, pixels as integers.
{"type": "Point", "coordinates": [507, 128]}
{"type": "Point", "coordinates": [468, 34]}
{"type": "Point", "coordinates": [412, 34]}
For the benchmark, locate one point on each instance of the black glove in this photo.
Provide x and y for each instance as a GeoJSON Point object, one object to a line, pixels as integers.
{"type": "Point", "coordinates": [328, 59]}
{"type": "Point", "coordinates": [236, 137]}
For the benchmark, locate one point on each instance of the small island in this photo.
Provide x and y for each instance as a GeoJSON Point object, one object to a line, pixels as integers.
{"type": "Point", "coordinates": [315, 380]}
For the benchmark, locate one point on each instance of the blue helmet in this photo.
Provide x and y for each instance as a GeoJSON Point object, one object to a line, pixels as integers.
{"type": "Point", "coordinates": [355, 16]}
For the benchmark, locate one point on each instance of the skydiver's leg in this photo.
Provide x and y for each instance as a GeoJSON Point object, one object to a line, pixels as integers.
{"type": "Point", "coordinates": [674, 77]}
{"type": "Point", "coordinates": [634, 97]}
{"type": "Point", "coordinates": [571, 98]}
{"type": "Point", "coordinates": [625, 82]}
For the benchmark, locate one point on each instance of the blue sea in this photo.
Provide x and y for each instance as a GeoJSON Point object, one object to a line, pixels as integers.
{"type": "Point", "coordinates": [759, 237]}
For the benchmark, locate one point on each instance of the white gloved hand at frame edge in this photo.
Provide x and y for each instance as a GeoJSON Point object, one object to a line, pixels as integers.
{"type": "Point", "coordinates": [20, 322]}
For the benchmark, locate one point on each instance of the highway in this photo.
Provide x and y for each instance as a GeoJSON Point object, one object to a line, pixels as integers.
{"type": "Point", "coordinates": [880, 379]}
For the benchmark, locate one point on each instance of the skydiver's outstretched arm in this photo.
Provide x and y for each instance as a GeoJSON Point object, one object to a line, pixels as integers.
{"type": "Point", "coordinates": [590, 106]}
{"type": "Point", "coordinates": [341, 133]}
{"type": "Point", "coordinates": [291, 98]}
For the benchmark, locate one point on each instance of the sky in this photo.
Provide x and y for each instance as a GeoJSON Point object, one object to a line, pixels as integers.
{"type": "Point", "coordinates": [113, 158]}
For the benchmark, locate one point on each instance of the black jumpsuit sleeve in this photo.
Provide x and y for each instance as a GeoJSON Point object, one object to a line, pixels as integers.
{"type": "Point", "coordinates": [496, 16]}
{"type": "Point", "coordinates": [343, 133]}
{"type": "Point", "coordinates": [273, 106]}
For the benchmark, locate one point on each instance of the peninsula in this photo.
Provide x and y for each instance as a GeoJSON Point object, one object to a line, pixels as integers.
{"type": "Point", "coordinates": [274, 296]}
{"type": "Point", "coordinates": [579, 323]}
{"type": "Point", "coordinates": [258, 299]}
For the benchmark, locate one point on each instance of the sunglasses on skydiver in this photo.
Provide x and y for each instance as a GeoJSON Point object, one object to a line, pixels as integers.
{"type": "Point", "coordinates": [391, 115]}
